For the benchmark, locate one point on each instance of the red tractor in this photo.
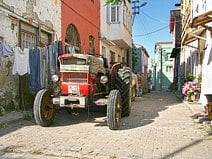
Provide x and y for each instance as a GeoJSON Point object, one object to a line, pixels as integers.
{"type": "Point", "coordinates": [85, 82]}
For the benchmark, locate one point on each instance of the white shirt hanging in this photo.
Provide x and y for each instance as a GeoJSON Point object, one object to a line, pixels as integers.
{"type": "Point", "coordinates": [21, 61]}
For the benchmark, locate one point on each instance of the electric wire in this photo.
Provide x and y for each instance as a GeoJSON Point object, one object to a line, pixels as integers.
{"type": "Point", "coordinates": [160, 21]}
{"type": "Point", "coordinates": [79, 14]}
{"type": "Point", "coordinates": [157, 20]}
{"type": "Point", "coordinates": [145, 25]}
{"type": "Point", "coordinates": [152, 31]}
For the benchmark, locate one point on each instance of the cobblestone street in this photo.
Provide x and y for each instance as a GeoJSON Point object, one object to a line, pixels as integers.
{"type": "Point", "coordinates": [159, 127]}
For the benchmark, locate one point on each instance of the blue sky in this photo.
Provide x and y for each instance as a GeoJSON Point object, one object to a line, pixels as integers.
{"type": "Point", "coordinates": [154, 16]}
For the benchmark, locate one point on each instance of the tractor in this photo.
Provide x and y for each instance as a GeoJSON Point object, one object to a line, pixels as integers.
{"type": "Point", "coordinates": [86, 81]}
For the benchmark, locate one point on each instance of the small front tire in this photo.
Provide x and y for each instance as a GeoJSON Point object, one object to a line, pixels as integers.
{"type": "Point", "coordinates": [43, 109]}
{"type": "Point", "coordinates": [114, 110]}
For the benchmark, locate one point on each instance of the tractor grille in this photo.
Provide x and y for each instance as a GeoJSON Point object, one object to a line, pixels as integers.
{"type": "Point", "coordinates": [75, 77]}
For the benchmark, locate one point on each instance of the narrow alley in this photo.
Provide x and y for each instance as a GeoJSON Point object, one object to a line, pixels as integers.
{"type": "Point", "coordinates": [160, 126]}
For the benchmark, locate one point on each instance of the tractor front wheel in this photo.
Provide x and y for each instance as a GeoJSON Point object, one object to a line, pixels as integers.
{"type": "Point", "coordinates": [114, 110]}
{"type": "Point", "coordinates": [43, 109]}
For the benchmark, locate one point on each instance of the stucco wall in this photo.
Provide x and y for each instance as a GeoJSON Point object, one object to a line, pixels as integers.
{"type": "Point", "coordinates": [85, 16]}
{"type": "Point", "coordinates": [34, 12]}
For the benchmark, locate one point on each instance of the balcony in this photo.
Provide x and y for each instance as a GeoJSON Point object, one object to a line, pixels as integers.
{"type": "Point", "coordinates": [116, 25]}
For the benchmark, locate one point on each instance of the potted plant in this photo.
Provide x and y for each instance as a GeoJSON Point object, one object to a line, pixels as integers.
{"type": "Point", "coordinates": [190, 90]}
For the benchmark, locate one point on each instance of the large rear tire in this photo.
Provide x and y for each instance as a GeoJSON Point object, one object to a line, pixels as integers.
{"type": "Point", "coordinates": [122, 83]}
{"type": "Point", "coordinates": [114, 110]}
{"type": "Point", "coordinates": [43, 109]}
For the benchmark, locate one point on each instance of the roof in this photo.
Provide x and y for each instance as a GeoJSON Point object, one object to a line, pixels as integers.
{"type": "Point", "coordinates": [162, 43]}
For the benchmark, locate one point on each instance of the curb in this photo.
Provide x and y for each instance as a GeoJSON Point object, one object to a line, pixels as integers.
{"type": "Point", "coordinates": [14, 117]}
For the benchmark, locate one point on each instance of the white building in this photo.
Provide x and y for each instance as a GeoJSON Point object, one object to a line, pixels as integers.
{"type": "Point", "coordinates": [116, 32]}
{"type": "Point", "coordinates": [196, 28]}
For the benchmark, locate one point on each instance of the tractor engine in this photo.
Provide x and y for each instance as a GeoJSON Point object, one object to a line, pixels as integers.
{"type": "Point", "coordinates": [81, 77]}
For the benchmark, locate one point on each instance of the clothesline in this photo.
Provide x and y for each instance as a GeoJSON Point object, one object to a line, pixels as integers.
{"type": "Point", "coordinates": [39, 63]}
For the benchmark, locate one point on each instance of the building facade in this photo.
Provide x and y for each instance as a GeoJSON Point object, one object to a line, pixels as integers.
{"type": "Point", "coordinates": [81, 26]}
{"type": "Point", "coordinates": [24, 24]}
{"type": "Point", "coordinates": [163, 66]}
{"type": "Point", "coordinates": [142, 60]}
{"type": "Point", "coordinates": [176, 30]}
{"type": "Point", "coordinates": [196, 28]}
{"type": "Point", "coordinates": [116, 32]}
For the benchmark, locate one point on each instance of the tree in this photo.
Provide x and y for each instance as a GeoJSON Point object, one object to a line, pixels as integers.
{"type": "Point", "coordinates": [114, 2]}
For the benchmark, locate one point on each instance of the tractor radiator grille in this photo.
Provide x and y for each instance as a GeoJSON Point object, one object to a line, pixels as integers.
{"type": "Point", "coordinates": [75, 77]}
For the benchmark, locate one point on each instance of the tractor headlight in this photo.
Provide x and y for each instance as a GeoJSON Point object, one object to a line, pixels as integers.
{"type": "Point", "coordinates": [103, 79]}
{"type": "Point", "coordinates": [55, 78]}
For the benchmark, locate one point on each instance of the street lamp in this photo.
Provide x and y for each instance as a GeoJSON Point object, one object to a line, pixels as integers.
{"type": "Point", "coordinates": [136, 8]}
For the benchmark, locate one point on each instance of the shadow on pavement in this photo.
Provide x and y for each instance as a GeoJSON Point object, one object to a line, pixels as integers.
{"type": "Point", "coordinates": [146, 108]}
{"type": "Point", "coordinates": [144, 111]}
{"type": "Point", "coordinates": [190, 145]}
{"type": "Point", "coordinates": [64, 117]}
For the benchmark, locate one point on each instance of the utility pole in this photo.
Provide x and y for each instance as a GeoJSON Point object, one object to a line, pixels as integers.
{"type": "Point", "coordinates": [161, 69]}
{"type": "Point", "coordinates": [136, 8]}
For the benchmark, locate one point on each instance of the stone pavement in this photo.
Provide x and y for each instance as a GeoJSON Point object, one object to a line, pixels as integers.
{"type": "Point", "coordinates": [159, 127]}
{"type": "Point", "coordinates": [198, 113]}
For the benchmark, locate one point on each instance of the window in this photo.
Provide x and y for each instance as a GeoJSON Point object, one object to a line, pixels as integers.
{"type": "Point", "coordinates": [124, 15]}
{"type": "Point", "coordinates": [169, 57]}
{"type": "Point", "coordinates": [91, 45]}
{"type": "Point", "coordinates": [103, 51]}
{"type": "Point", "coordinates": [112, 57]}
{"type": "Point", "coordinates": [73, 61]}
{"type": "Point", "coordinates": [30, 36]}
{"type": "Point", "coordinates": [169, 69]}
{"type": "Point", "coordinates": [27, 40]}
{"type": "Point", "coordinates": [113, 13]}
{"type": "Point", "coordinates": [119, 58]}
{"type": "Point", "coordinates": [72, 40]}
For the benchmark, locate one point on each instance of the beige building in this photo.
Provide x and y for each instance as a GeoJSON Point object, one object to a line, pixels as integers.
{"type": "Point", "coordinates": [196, 27]}
{"type": "Point", "coordinates": [116, 32]}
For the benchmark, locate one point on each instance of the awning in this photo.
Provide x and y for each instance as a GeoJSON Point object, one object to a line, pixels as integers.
{"type": "Point", "coordinates": [199, 26]}
{"type": "Point", "coordinates": [194, 35]}
{"type": "Point", "coordinates": [201, 20]}
{"type": "Point", "coordinates": [175, 51]}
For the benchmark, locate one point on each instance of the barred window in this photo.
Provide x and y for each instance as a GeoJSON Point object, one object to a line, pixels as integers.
{"type": "Point", "coordinates": [28, 36]}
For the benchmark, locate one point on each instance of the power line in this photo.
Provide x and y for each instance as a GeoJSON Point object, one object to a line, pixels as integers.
{"type": "Point", "coordinates": [152, 31]}
{"type": "Point", "coordinates": [153, 18]}
{"type": "Point", "coordinates": [161, 21]}
{"type": "Point", "coordinates": [79, 14]}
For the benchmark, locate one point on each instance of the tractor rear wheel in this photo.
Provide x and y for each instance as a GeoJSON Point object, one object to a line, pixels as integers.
{"type": "Point", "coordinates": [114, 110]}
{"type": "Point", "coordinates": [43, 109]}
{"type": "Point", "coordinates": [122, 83]}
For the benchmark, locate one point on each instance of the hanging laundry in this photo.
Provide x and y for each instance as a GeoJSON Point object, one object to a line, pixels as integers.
{"type": "Point", "coordinates": [60, 50]}
{"type": "Point", "coordinates": [44, 65]}
{"type": "Point", "coordinates": [53, 58]}
{"type": "Point", "coordinates": [5, 50]}
{"type": "Point", "coordinates": [34, 77]}
{"type": "Point", "coordinates": [21, 61]}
